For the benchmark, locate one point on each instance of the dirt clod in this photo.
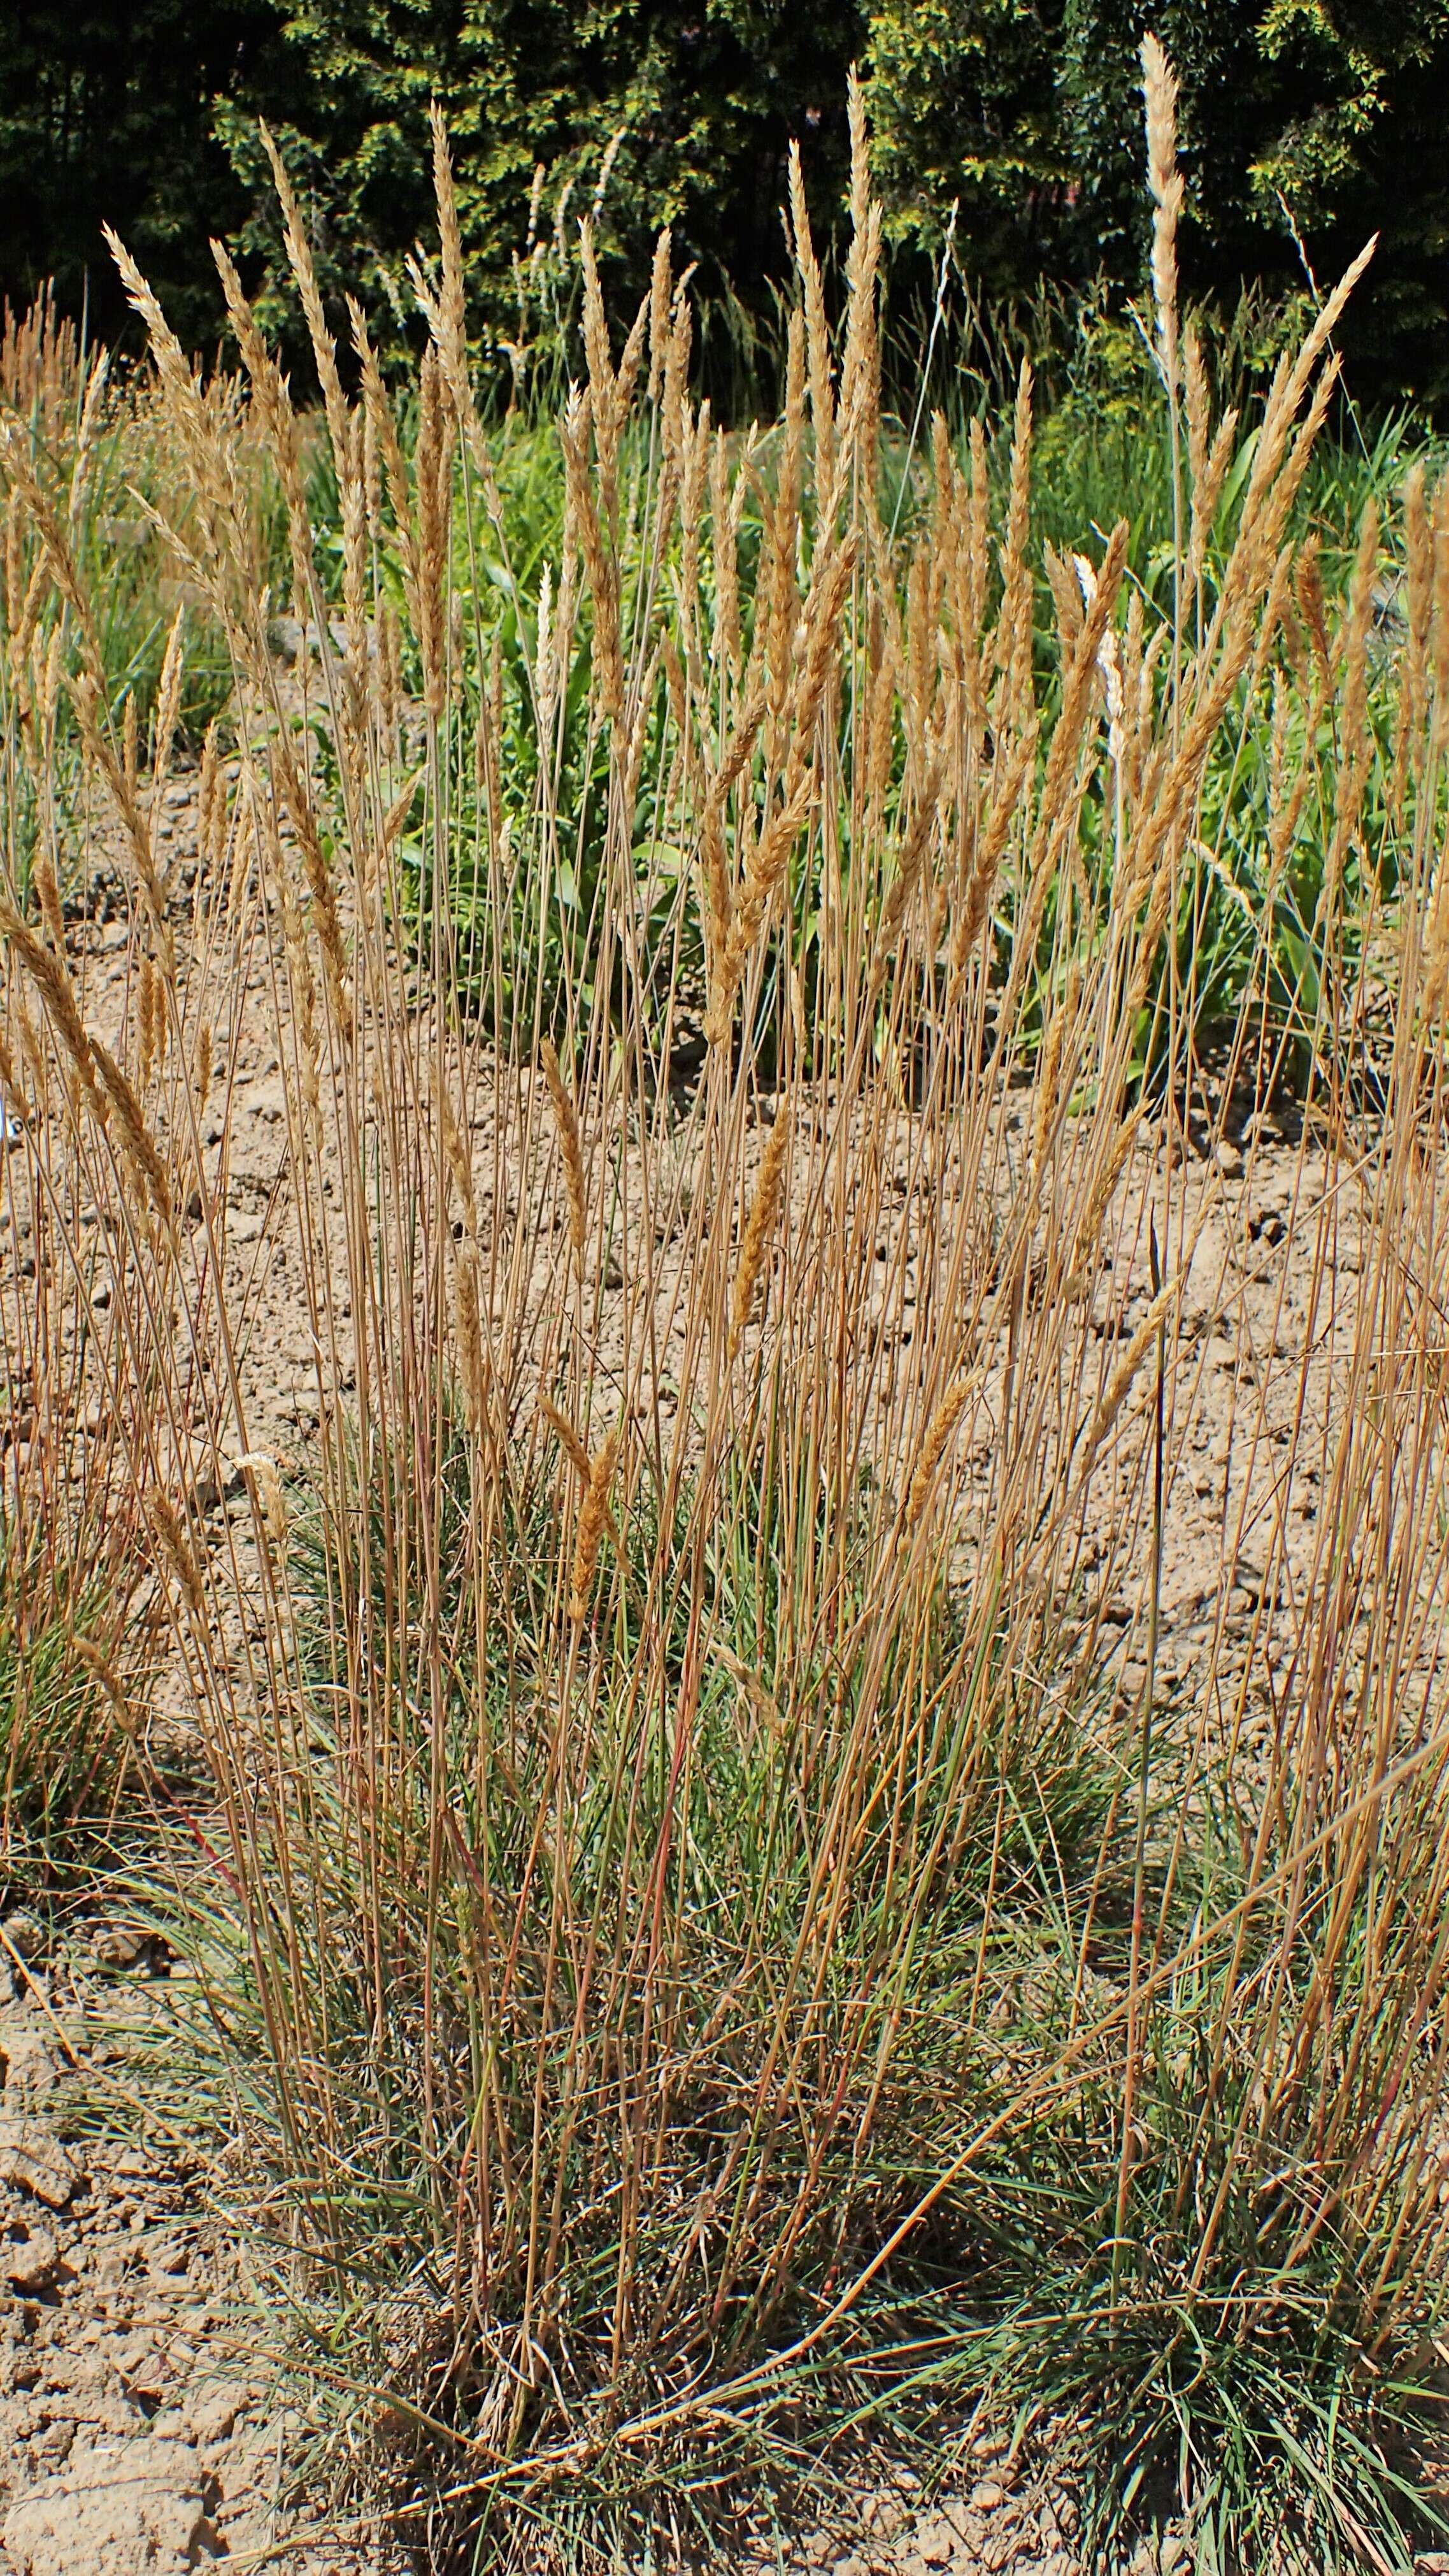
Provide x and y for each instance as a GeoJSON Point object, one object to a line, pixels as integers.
{"type": "Point", "coordinates": [117, 2509]}
{"type": "Point", "coordinates": [30, 2264]}
{"type": "Point", "coordinates": [32, 2160]}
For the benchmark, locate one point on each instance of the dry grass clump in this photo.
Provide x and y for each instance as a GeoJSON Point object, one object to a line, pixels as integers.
{"type": "Point", "coordinates": [85, 446]}
{"type": "Point", "coordinates": [703, 1931]}
{"type": "Point", "coordinates": [74, 1629]}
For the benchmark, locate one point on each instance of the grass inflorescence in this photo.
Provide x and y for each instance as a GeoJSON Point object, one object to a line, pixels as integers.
{"type": "Point", "coordinates": [713, 1931]}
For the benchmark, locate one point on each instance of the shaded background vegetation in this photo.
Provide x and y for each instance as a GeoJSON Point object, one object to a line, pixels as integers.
{"type": "Point", "coordinates": [1314, 116]}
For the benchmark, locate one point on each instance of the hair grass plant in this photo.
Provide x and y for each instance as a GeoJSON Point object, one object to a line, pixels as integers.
{"type": "Point", "coordinates": [710, 1934]}
{"type": "Point", "coordinates": [84, 449]}
{"type": "Point", "coordinates": [74, 1635]}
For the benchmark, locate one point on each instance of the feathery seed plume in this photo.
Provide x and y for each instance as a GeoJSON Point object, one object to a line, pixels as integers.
{"type": "Point", "coordinates": [566, 1118]}
{"type": "Point", "coordinates": [594, 1519]}
{"type": "Point", "coordinates": [938, 1432]}
{"type": "Point", "coordinates": [764, 1210]}
{"type": "Point", "coordinates": [1159, 87]}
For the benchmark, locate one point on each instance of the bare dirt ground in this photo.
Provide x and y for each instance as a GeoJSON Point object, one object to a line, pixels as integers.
{"type": "Point", "coordinates": [140, 2426]}
{"type": "Point", "coordinates": [137, 2430]}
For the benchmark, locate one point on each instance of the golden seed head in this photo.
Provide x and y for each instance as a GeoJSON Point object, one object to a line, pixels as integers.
{"type": "Point", "coordinates": [566, 1119]}
{"type": "Point", "coordinates": [764, 1211]}
{"type": "Point", "coordinates": [594, 1519]}
{"type": "Point", "coordinates": [938, 1432]}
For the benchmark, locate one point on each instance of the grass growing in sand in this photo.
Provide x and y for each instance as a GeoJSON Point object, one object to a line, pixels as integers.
{"type": "Point", "coordinates": [712, 1947]}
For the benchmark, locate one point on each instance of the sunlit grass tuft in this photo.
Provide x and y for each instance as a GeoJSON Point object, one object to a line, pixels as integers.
{"type": "Point", "coordinates": [713, 1936]}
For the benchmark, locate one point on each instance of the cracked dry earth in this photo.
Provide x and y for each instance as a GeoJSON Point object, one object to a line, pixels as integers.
{"type": "Point", "coordinates": [137, 2435]}
{"type": "Point", "coordinates": [141, 2432]}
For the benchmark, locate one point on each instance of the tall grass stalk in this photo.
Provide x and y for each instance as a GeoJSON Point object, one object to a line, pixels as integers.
{"type": "Point", "coordinates": [701, 1933]}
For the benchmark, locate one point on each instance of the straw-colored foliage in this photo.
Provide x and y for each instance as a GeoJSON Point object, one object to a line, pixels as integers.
{"type": "Point", "coordinates": [699, 1921]}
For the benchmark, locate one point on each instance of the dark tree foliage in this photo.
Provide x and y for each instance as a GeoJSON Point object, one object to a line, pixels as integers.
{"type": "Point", "coordinates": [1297, 122]}
{"type": "Point", "coordinates": [690, 104]}
{"type": "Point", "coordinates": [1306, 124]}
{"type": "Point", "coordinates": [107, 115]}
